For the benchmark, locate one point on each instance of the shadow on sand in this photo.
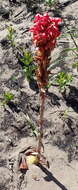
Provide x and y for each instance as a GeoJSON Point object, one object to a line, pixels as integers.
{"type": "Point", "coordinates": [49, 177]}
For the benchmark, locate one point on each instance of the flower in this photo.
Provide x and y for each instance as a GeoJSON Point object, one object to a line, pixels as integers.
{"type": "Point", "coordinates": [45, 31]}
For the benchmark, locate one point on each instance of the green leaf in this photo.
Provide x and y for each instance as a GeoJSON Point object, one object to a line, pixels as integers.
{"type": "Point", "coordinates": [7, 96]}
{"type": "Point", "coordinates": [70, 49]}
{"type": "Point", "coordinates": [75, 65]}
{"type": "Point", "coordinates": [49, 2]}
{"type": "Point", "coordinates": [63, 79]}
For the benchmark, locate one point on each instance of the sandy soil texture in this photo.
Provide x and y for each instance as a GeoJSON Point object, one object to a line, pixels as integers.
{"type": "Point", "coordinates": [61, 111]}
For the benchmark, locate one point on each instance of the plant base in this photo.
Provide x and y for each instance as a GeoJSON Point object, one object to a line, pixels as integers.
{"type": "Point", "coordinates": [31, 156]}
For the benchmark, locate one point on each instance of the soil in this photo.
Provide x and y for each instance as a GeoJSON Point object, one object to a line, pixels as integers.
{"type": "Point", "coordinates": [61, 110]}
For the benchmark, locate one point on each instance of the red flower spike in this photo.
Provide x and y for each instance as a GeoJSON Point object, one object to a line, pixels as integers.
{"type": "Point", "coordinates": [45, 31]}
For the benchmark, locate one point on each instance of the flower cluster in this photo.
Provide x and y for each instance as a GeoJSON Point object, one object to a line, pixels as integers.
{"type": "Point", "coordinates": [45, 31]}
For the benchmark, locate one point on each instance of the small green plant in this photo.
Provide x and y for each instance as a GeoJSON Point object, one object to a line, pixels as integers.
{"type": "Point", "coordinates": [10, 35]}
{"type": "Point", "coordinates": [27, 58]}
{"type": "Point", "coordinates": [7, 97]}
{"type": "Point", "coordinates": [64, 114]}
{"type": "Point", "coordinates": [28, 67]}
{"type": "Point", "coordinates": [13, 78]}
{"type": "Point", "coordinates": [32, 126]}
{"type": "Point", "coordinates": [50, 2]}
{"type": "Point", "coordinates": [75, 65]}
{"type": "Point", "coordinates": [63, 79]}
{"type": "Point", "coordinates": [29, 72]}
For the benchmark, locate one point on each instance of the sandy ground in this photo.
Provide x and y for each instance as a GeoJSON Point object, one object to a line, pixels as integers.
{"type": "Point", "coordinates": [60, 134]}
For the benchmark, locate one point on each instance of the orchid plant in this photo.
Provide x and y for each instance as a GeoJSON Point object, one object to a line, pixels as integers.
{"type": "Point", "coordinates": [45, 32]}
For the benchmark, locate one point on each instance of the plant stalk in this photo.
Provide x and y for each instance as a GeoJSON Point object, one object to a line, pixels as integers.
{"type": "Point", "coordinates": [41, 121]}
{"type": "Point", "coordinates": [42, 80]}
